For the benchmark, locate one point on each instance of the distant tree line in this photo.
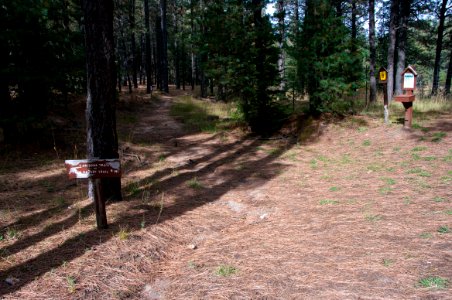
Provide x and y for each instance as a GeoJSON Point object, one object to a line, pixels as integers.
{"type": "Point", "coordinates": [326, 50]}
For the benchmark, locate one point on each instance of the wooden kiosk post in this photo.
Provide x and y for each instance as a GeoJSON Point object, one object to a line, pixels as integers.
{"type": "Point", "coordinates": [408, 86]}
{"type": "Point", "coordinates": [383, 80]}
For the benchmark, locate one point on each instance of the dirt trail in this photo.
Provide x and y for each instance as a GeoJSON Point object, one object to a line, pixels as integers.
{"type": "Point", "coordinates": [354, 215]}
{"type": "Point", "coordinates": [361, 212]}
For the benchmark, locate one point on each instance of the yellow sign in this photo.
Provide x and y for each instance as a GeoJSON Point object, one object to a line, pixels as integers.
{"type": "Point", "coordinates": [383, 76]}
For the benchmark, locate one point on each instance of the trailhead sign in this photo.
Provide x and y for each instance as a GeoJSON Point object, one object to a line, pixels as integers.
{"type": "Point", "coordinates": [95, 170]}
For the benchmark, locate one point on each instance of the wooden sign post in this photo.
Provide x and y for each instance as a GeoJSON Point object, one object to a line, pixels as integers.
{"type": "Point", "coordinates": [383, 80]}
{"type": "Point", "coordinates": [408, 86]}
{"type": "Point", "coordinates": [95, 169]}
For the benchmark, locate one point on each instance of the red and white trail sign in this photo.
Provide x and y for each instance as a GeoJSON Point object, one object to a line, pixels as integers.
{"type": "Point", "coordinates": [93, 168]}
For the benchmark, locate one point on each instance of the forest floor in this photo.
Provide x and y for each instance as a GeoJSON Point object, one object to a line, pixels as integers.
{"type": "Point", "coordinates": [355, 209]}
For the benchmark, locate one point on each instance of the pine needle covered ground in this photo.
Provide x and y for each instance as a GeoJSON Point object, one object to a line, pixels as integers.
{"type": "Point", "coordinates": [354, 209]}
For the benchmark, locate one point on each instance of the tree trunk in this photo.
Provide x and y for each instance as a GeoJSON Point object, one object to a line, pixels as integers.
{"type": "Point", "coordinates": [449, 70]}
{"type": "Point", "coordinates": [373, 54]}
{"type": "Point", "coordinates": [133, 43]}
{"type": "Point", "coordinates": [102, 139]}
{"type": "Point", "coordinates": [176, 52]}
{"type": "Point", "coordinates": [392, 46]}
{"type": "Point", "coordinates": [164, 49]}
{"type": "Point", "coordinates": [281, 14]}
{"type": "Point", "coordinates": [354, 30]}
{"type": "Point", "coordinates": [148, 60]}
{"type": "Point", "coordinates": [439, 47]}
{"type": "Point", "coordinates": [402, 40]}
{"type": "Point", "coordinates": [158, 52]}
{"type": "Point", "coordinates": [192, 56]}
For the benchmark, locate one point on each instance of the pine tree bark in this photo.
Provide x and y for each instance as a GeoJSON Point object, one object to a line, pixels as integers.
{"type": "Point", "coordinates": [164, 49]}
{"type": "Point", "coordinates": [394, 15]}
{"type": "Point", "coordinates": [148, 59]}
{"type": "Point", "coordinates": [373, 53]}
{"type": "Point", "coordinates": [439, 47]}
{"type": "Point", "coordinates": [158, 52]}
{"type": "Point", "coordinates": [176, 52]}
{"type": "Point", "coordinates": [401, 45]}
{"type": "Point", "coordinates": [193, 60]}
{"type": "Point", "coordinates": [449, 70]}
{"type": "Point", "coordinates": [133, 44]}
{"type": "Point", "coordinates": [281, 13]}
{"type": "Point", "coordinates": [102, 139]}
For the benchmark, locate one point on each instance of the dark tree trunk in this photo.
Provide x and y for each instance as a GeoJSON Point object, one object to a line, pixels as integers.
{"type": "Point", "coordinates": [392, 46]}
{"type": "Point", "coordinates": [148, 59]}
{"type": "Point", "coordinates": [281, 14]}
{"type": "Point", "coordinates": [141, 68]}
{"type": "Point", "coordinates": [102, 139]}
{"type": "Point", "coordinates": [158, 52]}
{"type": "Point", "coordinates": [133, 44]}
{"type": "Point", "coordinates": [338, 6]}
{"type": "Point", "coordinates": [164, 47]}
{"type": "Point", "coordinates": [439, 47]}
{"type": "Point", "coordinates": [373, 81]}
{"type": "Point", "coordinates": [176, 52]}
{"type": "Point", "coordinates": [184, 66]}
{"type": "Point", "coordinates": [261, 91]}
{"type": "Point", "coordinates": [354, 31]}
{"type": "Point", "coordinates": [449, 70]}
{"type": "Point", "coordinates": [193, 60]}
{"type": "Point", "coordinates": [402, 40]}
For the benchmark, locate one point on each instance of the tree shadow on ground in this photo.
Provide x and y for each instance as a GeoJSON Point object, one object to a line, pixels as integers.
{"type": "Point", "coordinates": [220, 158]}
{"type": "Point", "coordinates": [265, 167]}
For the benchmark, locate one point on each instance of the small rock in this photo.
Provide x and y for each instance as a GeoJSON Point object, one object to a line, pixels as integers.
{"type": "Point", "coordinates": [263, 216]}
{"type": "Point", "coordinates": [192, 247]}
{"type": "Point", "coordinates": [11, 280]}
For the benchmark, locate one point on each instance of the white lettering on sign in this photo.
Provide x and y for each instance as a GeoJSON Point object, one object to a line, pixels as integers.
{"type": "Point", "coordinates": [408, 81]}
{"type": "Point", "coordinates": [91, 168]}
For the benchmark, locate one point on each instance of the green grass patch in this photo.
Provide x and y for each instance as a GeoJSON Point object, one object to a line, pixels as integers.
{"type": "Point", "coordinates": [444, 229]}
{"type": "Point", "coordinates": [407, 200]}
{"type": "Point", "coordinates": [388, 180]}
{"type": "Point", "coordinates": [434, 282]}
{"type": "Point", "coordinates": [328, 202]}
{"type": "Point", "coordinates": [345, 159]}
{"type": "Point", "coordinates": [366, 143]}
{"type": "Point", "coordinates": [385, 190]}
{"type": "Point", "coordinates": [419, 172]}
{"type": "Point", "coordinates": [387, 262]}
{"type": "Point", "coordinates": [194, 183]}
{"type": "Point", "coordinates": [123, 233]}
{"type": "Point", "coordinates": [226, 270]}
{"type": "Point", "coordinates": [449, 212]}
{"type": "Point", "coordinates": [133, 189]}
{"type": "Point", "coordinates": [429, 158]}
{"type": "Point", "coordinates": [419, 148]}
{"type": "Point", "coordinates": [415, 156]}
{"type": "Point", "coordinates": [448, 158]}
{"type": "Point", "coordinates": [438, 136]}
{"type": "Point", "coordinates": [334, 189]}
{"type": "Point", "coordinates": [373, 218]}
{"type": "Point", "coordinates": [205, 116]}
{"type": "Point", "coordinates": [374, 167]}
{"type": "Point", "coordinates": [362, 129]}
{"type": "Point", "coordinates": [71, 284]}
{"type": "Point", "coordinates": [439, 199]}
{"type": "Point", "coordinates": [426, 235]}
{"type": "Point", "coordinates": [313, 163]}
{"type": "Point", "coordinates": [12, 233]}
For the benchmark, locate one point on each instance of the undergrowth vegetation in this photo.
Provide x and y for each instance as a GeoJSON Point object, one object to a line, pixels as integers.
{"type": "Point", "coordinates": [206, 116]}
